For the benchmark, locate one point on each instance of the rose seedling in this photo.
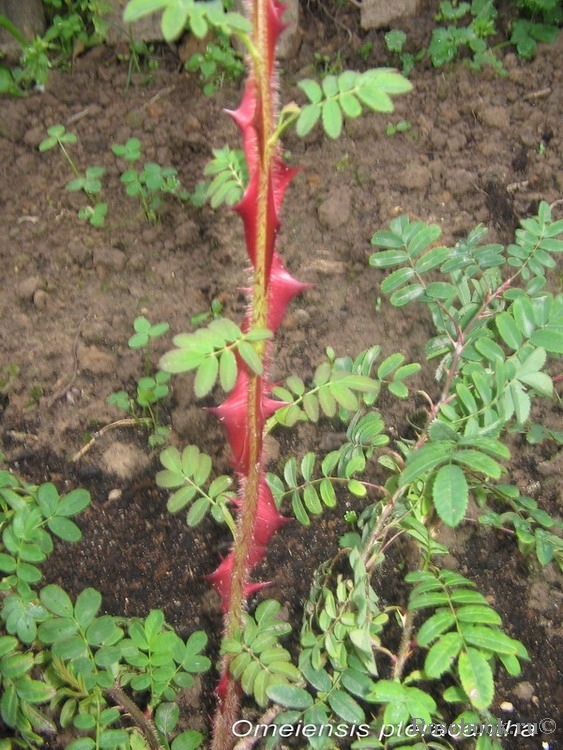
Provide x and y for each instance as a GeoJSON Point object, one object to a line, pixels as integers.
{"type": "Point", "coordinates": [89, 182]}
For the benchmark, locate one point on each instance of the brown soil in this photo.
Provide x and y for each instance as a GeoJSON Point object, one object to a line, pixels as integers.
{"type": "Point", "coordinates": [481, 149]}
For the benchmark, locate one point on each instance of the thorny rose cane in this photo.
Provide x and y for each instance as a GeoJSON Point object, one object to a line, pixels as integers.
{"type": "Point", "coordinates": [245, 411]}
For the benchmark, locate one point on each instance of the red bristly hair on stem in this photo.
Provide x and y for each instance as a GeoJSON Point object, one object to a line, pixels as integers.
{"type": "Point", "coordinates": [245, 411]}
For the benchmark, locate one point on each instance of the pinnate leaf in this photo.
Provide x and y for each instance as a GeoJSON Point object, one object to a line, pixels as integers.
{"type": "Point", "coordinates": [48, 498]}
{"type": "Point", "coordinates": [181, 360]}
{"type": "Point", "coordinates": [441, 290]}
{"type": "Point", "coordinates": [307, 466]}
{"type": "Point", "coordinates": [328, 494]}
{"type": "Point", "coordinates": [174, 21]}
{"type": "Point", "coordinates": [392, 257]}
{"type": "Point", "coordinates": [386, 238]}
{"type": "Point", "coordinates": [468, 596]}
{"type": "Point", "coordinates": [197, 511]}
{"type": "Point", "coordinates": [344, 396]}
{"type": "Point", "coordinates": [431, 259]}
{"type": "Point", "coordinates": [34, 691]}
{"type": "Point", "coordinates": [299, 509]}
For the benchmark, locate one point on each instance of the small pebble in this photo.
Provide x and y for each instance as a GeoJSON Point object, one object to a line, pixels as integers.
{"type": "Point", "coordinates": [109, 259]}
{"type": "Point", "coordinates": [415, 177]}
{"type": "Point", "coordinates": [40, 299]}
{"type": "Point", "coordinates": [115, 494]}
{"type": "Point", "coordinates": [335, 211]}
{"type": "Point", "coordinates": [27, 288]}
{"type": "Point", "coordinates": [495, 117]}
{"type": "Point", "coordinates": [95, 360]}
{"type": "Point", "coordinates": [524, 691]}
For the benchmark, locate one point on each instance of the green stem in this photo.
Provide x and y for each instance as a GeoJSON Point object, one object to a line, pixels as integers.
{"type": "Point", "coordinates": [5, 23]}
{"type": "Point", "coordinates": [69, 159]}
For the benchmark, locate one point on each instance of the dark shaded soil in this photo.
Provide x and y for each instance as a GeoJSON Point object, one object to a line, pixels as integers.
{"type": "Point", "coordinates": [481, 149]}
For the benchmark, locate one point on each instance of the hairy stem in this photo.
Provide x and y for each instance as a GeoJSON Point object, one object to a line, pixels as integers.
{"type": "Point", "coordinates": [146, 725]}
{"type": "Point", "coordinates": [257, 518]}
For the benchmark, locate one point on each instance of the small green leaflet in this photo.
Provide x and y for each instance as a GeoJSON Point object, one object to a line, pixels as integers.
{"type": "Point", "coordinates": [450, 494]}
{"type": "Point", "coordinates": [424, 460]}
{"type": "Point", "coordinates": [476, 678]}
{"type": "Point", "coordinates": [440, 657]}
{"type": "Point", "coordinates": [290, 696]}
